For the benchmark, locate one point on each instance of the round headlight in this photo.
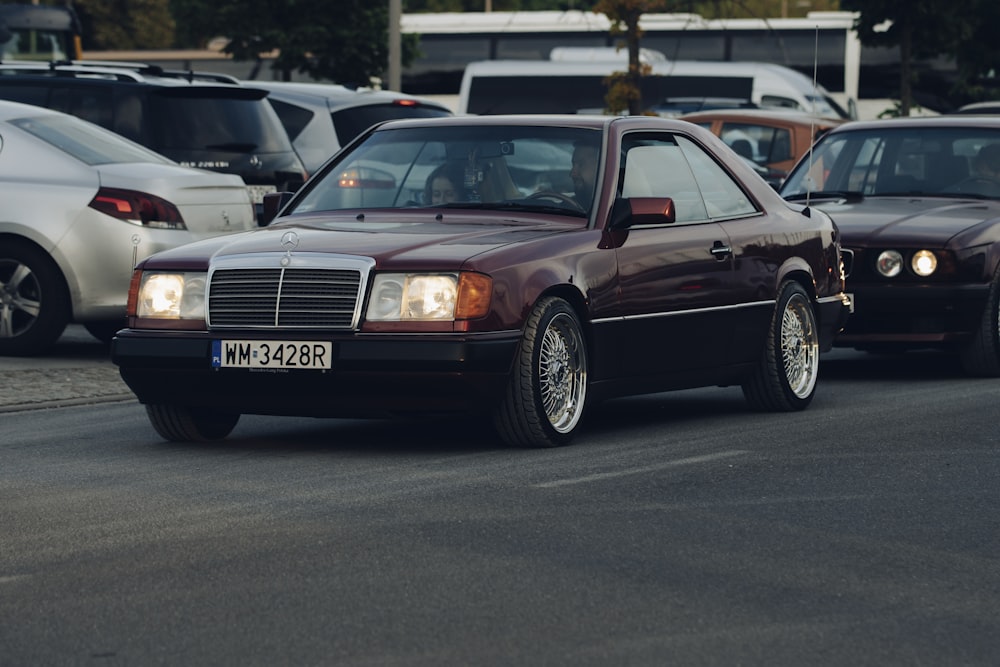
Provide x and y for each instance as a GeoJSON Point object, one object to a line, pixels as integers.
{"type": "Point", "coordinates": [890, 263]}
{"type": "Point", "coordinates": [923, 263]}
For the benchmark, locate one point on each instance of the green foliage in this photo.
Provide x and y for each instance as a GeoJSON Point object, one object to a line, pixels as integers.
{"type": "Point", "coordinates": [125, 24]}
{"type": "Point", "coordinates": [341, 40]}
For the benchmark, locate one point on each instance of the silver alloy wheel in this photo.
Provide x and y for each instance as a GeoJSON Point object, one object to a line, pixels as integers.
{"type": "Point", "coordinates": [20, 298]}
{"type": "Point", "coordinates": [562, 373]}
{"type": "Point", "coordinates": [799, 346]}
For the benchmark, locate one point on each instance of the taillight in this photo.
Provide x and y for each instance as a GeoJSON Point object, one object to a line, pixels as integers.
{"type": "Point", "coordinates": [139, 208]}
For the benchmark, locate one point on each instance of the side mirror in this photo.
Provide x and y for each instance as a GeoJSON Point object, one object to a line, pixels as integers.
{"type": "Point", "coordinates": [642, 211]}
{"type": "Point", "coordinates": [273, 203]}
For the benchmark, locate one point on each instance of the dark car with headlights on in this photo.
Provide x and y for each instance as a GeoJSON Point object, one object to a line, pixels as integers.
{"type": "Point", "coordinates": [919, 209]}
{"type": "Point", "coordinates": [515, 267]}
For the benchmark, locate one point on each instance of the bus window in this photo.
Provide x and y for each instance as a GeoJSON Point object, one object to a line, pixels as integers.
{"type": "Point", "coordinates": [38, 32]}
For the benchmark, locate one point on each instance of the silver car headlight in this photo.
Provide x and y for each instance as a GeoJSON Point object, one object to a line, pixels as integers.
{"type": "Point", "coordinates": [889, 263]}
{"type": "Point", "coordinates": [924, 263]}
{"type": "Point", "coordinates": [413, 296]}
{"type": "Point", "coordinates": [172, 296]}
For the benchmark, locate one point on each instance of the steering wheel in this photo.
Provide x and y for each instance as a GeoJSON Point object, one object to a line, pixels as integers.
{"type": "Point", "coordinates": [556, 196]}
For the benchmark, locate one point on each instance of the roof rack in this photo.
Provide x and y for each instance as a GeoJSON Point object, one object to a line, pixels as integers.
{"type": "Point", "coordinates": [120, 70]}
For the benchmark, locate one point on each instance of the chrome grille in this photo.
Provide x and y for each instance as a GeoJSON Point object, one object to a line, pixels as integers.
{"type": "Point", "coordinates": [284, 297]}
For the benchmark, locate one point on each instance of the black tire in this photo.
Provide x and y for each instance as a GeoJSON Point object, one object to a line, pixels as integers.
{"type": "Point", "coordinates": [547, 392]}
{"type": "Point", "coordinates": [34, 302]}
{"type": "Point", "coordinates": [104, 331]}
{"type": "Point", "coordinates": [183, 424]}
{"type": "Point", "coordinates": [980, 357]}
{"type": "Point", "coordinates": [785, 377]}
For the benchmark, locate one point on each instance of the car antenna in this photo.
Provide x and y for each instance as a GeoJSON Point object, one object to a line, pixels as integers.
{"type": "Point", "coordinates": [812, 127]}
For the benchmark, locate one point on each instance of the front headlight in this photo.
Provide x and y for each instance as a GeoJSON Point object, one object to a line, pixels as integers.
{"type": "Point", "coordinates": [172, 296]}
{"type": "Point", "coordinates": [924, 263]}
{"type": "Point", "coordinates": [889, 263]}
{"type": "Point", "coordinates": [428, 297]}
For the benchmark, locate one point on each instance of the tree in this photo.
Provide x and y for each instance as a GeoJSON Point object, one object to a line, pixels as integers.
{"type": "Point", "coordinates": [341, 40]}
{"type": "Point", "coordinates": [920, 28]}
{"type": "Point", "coordinates": [978, 53]}
{"type": "Point", "coordinates": [125, 24]}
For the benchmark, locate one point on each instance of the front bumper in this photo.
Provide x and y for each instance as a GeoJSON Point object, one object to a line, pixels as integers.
{"type": "Point", "coordinates": [913, 315]}
{"type": "Point", "coordinates": [372, 376]}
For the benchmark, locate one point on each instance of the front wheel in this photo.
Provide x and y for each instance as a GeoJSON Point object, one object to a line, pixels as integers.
{"type": "Point", "coordinates": [785, 378]}
{"type": "Point", "coordinates": [547, 391]}
{"type": "Point", "coordinates": [183, 424]}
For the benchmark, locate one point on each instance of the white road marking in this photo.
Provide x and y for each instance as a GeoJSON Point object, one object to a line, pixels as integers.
{"type": "Point", "coordinates": [637, 471]}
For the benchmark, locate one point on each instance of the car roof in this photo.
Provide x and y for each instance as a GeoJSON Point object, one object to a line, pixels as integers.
{"type": "Point", "coordinates": [788, 115]}
{"type": "Point", "coordinates": [10, 110]}
{"type": "Point", "coordinates": [130, 72]}
{"type": "Point", "coordinates": [527, 120]}
{"type": "Point", "coordinates": [918, 122]}
{"type": "Point", "coordinates": [335, 95]}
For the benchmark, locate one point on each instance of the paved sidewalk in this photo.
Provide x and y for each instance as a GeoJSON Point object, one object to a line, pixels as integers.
{"type": "Point", "coordinates": [76, 372]}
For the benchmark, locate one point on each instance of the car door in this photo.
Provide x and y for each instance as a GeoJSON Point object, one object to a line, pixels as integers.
{"type": "Point", "coordinates": [676, 279]}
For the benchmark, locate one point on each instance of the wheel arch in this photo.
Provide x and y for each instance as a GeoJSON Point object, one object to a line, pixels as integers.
{"type": "Point", "coordinates": [7, 239]}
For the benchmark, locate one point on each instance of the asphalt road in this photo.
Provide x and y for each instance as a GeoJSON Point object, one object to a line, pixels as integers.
{"type": "Point", "coordinates": [680, 529]}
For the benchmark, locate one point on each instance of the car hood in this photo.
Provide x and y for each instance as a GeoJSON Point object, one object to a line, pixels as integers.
{"type": "Point", "coordinates": [907, 220]}
{"type": "Point", "coordinates": [416, 239]}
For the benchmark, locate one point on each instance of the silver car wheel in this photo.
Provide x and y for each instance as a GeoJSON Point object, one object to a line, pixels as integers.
{"type": "Point", "coordinates": [20, 298]}
{"type": "Point", "coordinates": [799, 346]}
{"type": "Point", "coordinates": [562, 373]}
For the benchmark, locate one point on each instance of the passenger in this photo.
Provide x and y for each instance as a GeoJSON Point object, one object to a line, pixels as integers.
{"type": "Point", "coordinates": [986, 164]}
{"type": "Point", "coordinates": [445, 185]}
{"type": "Point", "coordinates": [584, 173]}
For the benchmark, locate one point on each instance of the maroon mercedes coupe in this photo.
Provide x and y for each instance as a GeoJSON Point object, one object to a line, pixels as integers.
{"type": "Point", "coordinates": [515, 267]}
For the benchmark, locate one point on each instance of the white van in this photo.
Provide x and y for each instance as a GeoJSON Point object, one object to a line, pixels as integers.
{"type": "Point", "coordinates": [572, 81]}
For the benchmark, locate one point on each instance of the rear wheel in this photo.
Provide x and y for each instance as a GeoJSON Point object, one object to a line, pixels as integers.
{"type": "Point", "coordinates": [785, 377]}
{"type": "Point", "coordinates": [981, 356]}
{"type": "Point", "coordinates": [183, 424]}
{"type": "Point", "coordinates": [547, 392]}
{"type": "Point", "coordinates": [34, 304]}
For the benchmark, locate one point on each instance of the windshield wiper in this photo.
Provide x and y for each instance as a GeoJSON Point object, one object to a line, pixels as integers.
{"type": "Point", "coordinates": [233, 146]}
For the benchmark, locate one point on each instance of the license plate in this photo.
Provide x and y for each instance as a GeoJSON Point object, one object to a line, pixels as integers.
{"type": "Point", "coordinates": [286, 354]}
{"type": "Point", "coordinates": [850, 295]}
{"type": "Point", "coordinates": [257, 192]}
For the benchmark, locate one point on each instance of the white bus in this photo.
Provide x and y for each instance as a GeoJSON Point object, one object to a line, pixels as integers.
{"type": "Point", "coordinates": [573, 81]}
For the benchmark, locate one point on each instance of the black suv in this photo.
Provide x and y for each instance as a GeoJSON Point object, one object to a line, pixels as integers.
{"type": "Point", "coordinates": [210, 121]}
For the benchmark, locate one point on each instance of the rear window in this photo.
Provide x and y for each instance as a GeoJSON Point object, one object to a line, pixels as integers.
{"type": "Point", "coordinates": [86, 143]}
{"type": "Point", "coordinates": [195, 121]}
{"type": "Point", "coordinates": [351, 122]}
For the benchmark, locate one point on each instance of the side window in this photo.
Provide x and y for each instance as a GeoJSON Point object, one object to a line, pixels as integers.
{"type": "Point", "coordinates": [657, 168]}
{"type": "Point", "coordinates": [128, 117]}
{"type": "Point", "coordinates": [293, 117]}
{"type": "Point", "coordinates": [722, 195]}
{"type": "Point", "coordinates": [91, 103]}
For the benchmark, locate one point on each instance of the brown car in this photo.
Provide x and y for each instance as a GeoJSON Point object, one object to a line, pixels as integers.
{"type": "Point", "coordinates": [918, 203]}
{"type": "Point", "coordinates": [517, 267]}
{"type": "Point", "coordinates": [771, 138]}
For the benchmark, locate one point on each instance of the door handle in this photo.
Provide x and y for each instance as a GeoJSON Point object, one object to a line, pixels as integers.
{"type": "Point", "coordinates": [720, 250]}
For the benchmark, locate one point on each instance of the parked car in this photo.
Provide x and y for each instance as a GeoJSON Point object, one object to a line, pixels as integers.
{"type": "Point", "coordinates": [772, 138]}
{"type": "Point", "coordinates": [923, 225]}
{"type": "Point", "coordinates": [322, 118]}
{"type": "Point", "coordinates": [980, 108]}
{"type": "Point", "coordinates": [81, 205]}
{"type": "Point", "coordinates": [514, 266]}
{"type": "Point", "coordinates": [204, 120]}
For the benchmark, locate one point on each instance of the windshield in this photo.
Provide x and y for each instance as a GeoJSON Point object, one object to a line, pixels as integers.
{"type": "Point", "coordinates": [88, 143]}
{"type": "Point", "coordinates": [498, 167]}
{"type": "Point", "coordinates": [915, 161]}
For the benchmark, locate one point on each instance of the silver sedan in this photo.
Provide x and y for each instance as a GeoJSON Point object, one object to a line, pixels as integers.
{"type": "Point", "coordinates": [82, 205]}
